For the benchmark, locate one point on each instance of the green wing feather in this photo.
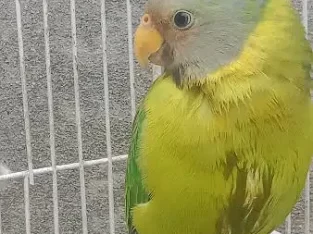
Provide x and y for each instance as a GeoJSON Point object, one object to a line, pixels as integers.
{"type": "Point", "coordinates": [135, 191]}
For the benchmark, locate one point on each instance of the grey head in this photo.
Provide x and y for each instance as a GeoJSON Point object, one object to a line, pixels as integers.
{"type": "Point", "coordinates": [201, 35]}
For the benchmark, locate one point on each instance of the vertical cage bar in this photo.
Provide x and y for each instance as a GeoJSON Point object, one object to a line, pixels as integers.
{"type": "Point", "coordinates": [288, 224]}
{"type": "Point", "coordinates": [107, 118]}
{"type": "Point", "coordinates": [26, 200]}
{"type": "Point", "coordinates": [51, 120]}
{"type": "Point", "coordinates": [78, 120]}
{"type": "Point", "coordinates": [305, 16]}
{"type": "Point", "coordinates": [307, 206]}
{"type": "Point", "coordinates": [0, 217]}
{"type": "Point", "coordinates": [131, 59]}
{"type": "Point", "coordinates": [24, 90]}
{"type": "Point", "coordinates": [307, 184]}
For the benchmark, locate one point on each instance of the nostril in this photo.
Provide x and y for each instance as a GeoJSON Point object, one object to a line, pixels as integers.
{"type": "Point", "coordinates": [146, 19]}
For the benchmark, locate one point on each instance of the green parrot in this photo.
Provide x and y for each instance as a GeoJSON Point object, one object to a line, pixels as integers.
{"type": "Point", "coordinates": [222, 141]}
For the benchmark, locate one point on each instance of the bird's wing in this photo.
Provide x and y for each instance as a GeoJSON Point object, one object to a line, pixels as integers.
{"type": "Point", "coordinates": [135, 190]}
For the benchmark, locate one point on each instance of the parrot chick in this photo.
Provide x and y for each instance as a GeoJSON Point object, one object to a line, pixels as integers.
{"type": "Point", "coordinates": [223, 140]}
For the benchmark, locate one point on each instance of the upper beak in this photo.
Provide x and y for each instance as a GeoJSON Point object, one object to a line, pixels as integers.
{"type": "Point", "coordinates": [147, 41]}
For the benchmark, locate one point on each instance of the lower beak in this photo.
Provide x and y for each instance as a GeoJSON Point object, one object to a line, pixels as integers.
{"type": "Point", "coordinates": [147, 40]}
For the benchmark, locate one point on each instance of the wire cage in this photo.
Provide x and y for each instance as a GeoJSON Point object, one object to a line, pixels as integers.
{"type": "Point", "coordinates": [68, 95]}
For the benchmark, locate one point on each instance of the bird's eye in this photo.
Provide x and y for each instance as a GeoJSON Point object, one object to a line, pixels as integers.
{"type": "Point", "coordinates": [183, 19]}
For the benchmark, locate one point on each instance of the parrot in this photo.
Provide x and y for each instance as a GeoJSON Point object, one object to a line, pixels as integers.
{"type": "Point", "coordinates": [222, 141]}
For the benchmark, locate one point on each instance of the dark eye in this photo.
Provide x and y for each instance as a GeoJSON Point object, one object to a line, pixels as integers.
{"type": "Point", "coordinates": [183, 19]}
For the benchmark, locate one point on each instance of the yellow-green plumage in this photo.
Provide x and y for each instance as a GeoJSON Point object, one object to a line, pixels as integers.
{"type": "Point", "coordinates": [227, 154]}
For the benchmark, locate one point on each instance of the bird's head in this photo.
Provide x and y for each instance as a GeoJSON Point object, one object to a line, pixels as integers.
{"type": "Point", "coordinates": [193, 38]}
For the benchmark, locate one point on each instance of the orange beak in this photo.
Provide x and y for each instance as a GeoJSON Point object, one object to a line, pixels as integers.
{"type": "Point", "coordinates": [147, 40]}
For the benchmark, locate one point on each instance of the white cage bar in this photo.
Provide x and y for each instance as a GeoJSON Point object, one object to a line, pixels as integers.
{"type": "Point", "coordinates": [51, 121]}
{"type": "Point", "coordinates": [107, 119]}
{"type": "Point", "coordinates": [30, 173]}
{"type": "Point", "coordinates": [78, 121]}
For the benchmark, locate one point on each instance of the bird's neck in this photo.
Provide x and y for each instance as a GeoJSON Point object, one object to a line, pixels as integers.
{"type": "Point", "coordinates": [278, 37]}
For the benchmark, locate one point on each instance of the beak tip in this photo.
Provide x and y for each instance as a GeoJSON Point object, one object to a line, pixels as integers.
{"type": "Point", "coordinates": [143, 64]}
{"type": "Point", "coordinates": [142, 60]}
